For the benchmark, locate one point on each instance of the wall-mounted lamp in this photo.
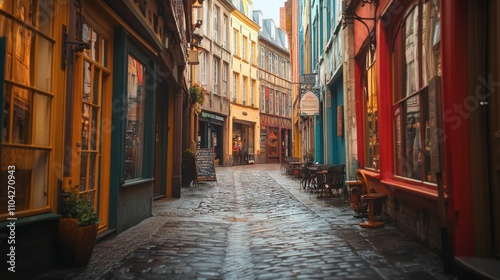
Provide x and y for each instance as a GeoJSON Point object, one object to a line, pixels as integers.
{"type": "Point", "coordinates": [198, 24]}
{"type": "Point", "coordinates": [78, 47]}
{"type": "Point", "coordinates": [196, 41]}
{"type": "Point", "coordinates": [193, 57]}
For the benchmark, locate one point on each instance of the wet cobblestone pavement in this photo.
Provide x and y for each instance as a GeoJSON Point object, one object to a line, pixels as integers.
{"type": "Point", "coordinates": [254, 223]}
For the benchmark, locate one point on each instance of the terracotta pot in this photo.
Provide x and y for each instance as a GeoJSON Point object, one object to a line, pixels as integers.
{"type": "Point", "coordinates": [75, 243]}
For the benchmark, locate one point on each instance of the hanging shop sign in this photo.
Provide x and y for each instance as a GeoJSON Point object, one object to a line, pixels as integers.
{"type": "Point", "coordinates": [309, 104]}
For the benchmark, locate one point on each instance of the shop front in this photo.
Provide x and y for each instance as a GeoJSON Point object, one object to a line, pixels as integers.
{"type": "Point", "coordinates": [210, 134]}
{"type": "Point", "coordinates": [243, 149]}
{"type": "Point", "coordinates": [275, 140]}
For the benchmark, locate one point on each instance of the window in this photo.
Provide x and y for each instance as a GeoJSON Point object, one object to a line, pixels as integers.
{"type": "Point", "coordinates": [235, 40]}
{"type": "Point", "coordinates": [134, 141]}
{"type": "Point", "coordinates": [270, 61]}
{"type": "Point", "coordinates": [244, 90]}
{"type": "Point", "coordinates": [252, 49]}
{"type": "Point", "coordinates": [371, 112]}
{"type": "Point", "coordinates": [216, 24]}
{"type": "Point", "coordinates": [203, 68]}
{"type": "Point", "coordinates": [277, 107]}
{"type": "Point", "coordinates": [28, 103]}
{"type": "Point", "coordinates": [416, 62]}
{"type": "Point", "coordinates": [271, 101]}
{"type": "Point", "coordinates": [275, 70]}
{"type": "Point", "coordinates": [224, 32]}
{"type": "Point", "coordinates": [262, 56]}
{"type": "Point", "coordinates": [216, 76]}
{"type": "Point", "coordinates": [225, 68]}
{"type": "Point", "coordinates": [252, 84]}
{"type": "Point", "coordinates": [262, 99]}
{"type": "Point", "coordinates": [243, 47]}
{"type": "Point", "coordinates": [283, 104]}
{"type": "Point", "coordinates": [235, 86]}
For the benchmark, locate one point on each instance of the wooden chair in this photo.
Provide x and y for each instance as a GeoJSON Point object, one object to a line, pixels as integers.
{"type": "Point", "coordinates": [335, 182]}
{"type": "Point", "coordinates": [365, 200]}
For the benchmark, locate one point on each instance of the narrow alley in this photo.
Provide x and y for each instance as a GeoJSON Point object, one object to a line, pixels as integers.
{"type": "Point", "coordinates": [254, 223]}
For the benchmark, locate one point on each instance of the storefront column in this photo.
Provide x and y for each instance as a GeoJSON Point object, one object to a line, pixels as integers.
{"type": "Point", "coordinates": [177, 162]}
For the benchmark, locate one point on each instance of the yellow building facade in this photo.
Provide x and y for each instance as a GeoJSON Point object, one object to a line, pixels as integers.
{"type": "Point", "coordinates": [244, 119]}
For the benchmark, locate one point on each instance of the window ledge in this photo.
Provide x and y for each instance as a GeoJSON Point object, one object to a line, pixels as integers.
{"type": "Point", "coordinates": [424, 191]}
{"type": "Point", "coordinates": [32, 220]}
{"type": "Point", "coordinates": [136, 182]}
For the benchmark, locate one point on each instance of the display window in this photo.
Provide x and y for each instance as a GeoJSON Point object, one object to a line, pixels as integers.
{"type": "Point", "coordinates": [416, 62]}
{"type": "Point", "coordinates": [28, 101]}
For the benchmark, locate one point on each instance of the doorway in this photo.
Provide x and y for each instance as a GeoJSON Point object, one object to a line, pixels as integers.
{"type": "Point", "coordinates": [92, 108]}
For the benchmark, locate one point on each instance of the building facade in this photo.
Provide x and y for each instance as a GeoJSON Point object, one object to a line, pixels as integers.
{"type": "Point", "coordinates": [421, 114]}
{"type": "Point", "coordinates": [244, 130]}
{"type": "Point", "coordinates": [331, 84]}
{"type": "Point", "coordinates": [275, 92]}
{"type": "Point", "coordinates": [90, 89]}
{"type": "Point", "coordinates": [213, 74]}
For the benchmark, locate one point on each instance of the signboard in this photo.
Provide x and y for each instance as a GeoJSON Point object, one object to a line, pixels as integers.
{"type": "Point", "coordinates": [308, 79]}
{"type": "Point", "coordinates": [205, 168]}
{"type": "Point", "coordinates": [309, 104]}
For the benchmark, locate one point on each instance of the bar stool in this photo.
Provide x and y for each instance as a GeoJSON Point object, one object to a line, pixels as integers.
{"type": "Point", "coordinates": [372, 199]}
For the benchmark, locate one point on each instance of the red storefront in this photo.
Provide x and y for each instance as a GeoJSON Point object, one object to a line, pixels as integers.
{"type": "Point", "coordinates": [424, 74]}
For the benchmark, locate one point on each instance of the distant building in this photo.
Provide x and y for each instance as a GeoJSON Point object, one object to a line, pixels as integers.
{"type": "Point", "coordinates": [275, 92]}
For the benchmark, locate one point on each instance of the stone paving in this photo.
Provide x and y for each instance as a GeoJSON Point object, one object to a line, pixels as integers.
{"type": "Point", "coordinates": [254, 223]}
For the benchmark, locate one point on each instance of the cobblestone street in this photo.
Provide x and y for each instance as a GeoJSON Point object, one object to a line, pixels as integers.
{"type": "Point", "coordinates": [254, 223]}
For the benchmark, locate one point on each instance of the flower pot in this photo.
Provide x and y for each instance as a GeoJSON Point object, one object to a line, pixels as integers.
{"type": "Point", "coordinates": [75, 244]}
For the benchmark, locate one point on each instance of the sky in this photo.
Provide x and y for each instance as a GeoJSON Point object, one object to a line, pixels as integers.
{"type": "Point", "coordinates": [269, 8]}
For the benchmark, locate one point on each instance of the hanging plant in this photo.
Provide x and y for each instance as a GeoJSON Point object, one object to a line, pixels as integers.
{"type": "Point", "coordinates": [197, 93]}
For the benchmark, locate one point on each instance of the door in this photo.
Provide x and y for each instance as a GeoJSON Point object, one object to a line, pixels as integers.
{"type": "Point", "coordinates": [92, 109]}
{"type": "Point", "coordinates": [160, 153]}
{"type": "Point", "coordinates": [494, 123]}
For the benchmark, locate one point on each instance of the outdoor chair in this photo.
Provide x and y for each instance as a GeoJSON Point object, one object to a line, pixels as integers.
{"type": "Point", "coordinates": [335, 182]}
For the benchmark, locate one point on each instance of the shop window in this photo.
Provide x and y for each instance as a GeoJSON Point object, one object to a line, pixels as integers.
{"type": "Point", "coordinates": [273, 143]}
{"type": "Point", "coordinates": [27, 103]}
{"type": "Point", "coordinates": [417, 61]}
{"type": "Point", "coordinates": [136, 96]}
{"type": "Point", "coordinates": [371, 112]}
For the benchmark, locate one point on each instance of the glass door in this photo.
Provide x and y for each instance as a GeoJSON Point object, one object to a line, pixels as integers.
{"type": "Point", "coordinates": [92, 84]}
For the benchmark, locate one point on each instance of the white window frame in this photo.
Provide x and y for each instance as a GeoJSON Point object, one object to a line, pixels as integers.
{"type": "Point", "coordinates": [224, 34]}
{"type": "Point", "coordinates": [262, 99]}
{"type": "Point", "coordinates": [216, 75]}
{"type": "Point", "coordinates": [235, 86]}
{"type": "Point", "coordinates": [203, 68]}
{"type": "Point", "coordinates": [216, 24]}
{"type": "Point", "coordinates": [244, 90]}
{"type": "Point", "coordinates": [225, 67]}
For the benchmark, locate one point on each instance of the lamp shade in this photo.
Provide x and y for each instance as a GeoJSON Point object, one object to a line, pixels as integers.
{"type": "Point", "coordinates": [193, 57]}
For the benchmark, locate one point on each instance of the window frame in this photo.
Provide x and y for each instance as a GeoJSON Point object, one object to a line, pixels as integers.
{"type": "Point", "coordinates": [402, 99]}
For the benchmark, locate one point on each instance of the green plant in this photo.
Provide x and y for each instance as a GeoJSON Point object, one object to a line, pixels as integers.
{"type": "Point", "coordinates": [79, 208]}
{"type": "Point", "coordinates": [197, 93]}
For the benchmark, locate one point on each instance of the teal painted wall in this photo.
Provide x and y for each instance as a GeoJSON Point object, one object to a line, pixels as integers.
{"type": "Point", "coordinates": [336, 144]}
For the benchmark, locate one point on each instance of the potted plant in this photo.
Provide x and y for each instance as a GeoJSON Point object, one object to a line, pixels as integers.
{"type": "Point", "coordinates": [188, 167]}
{"type": "Point", "coordinates": [77, 230]}
{"type": "Point", "coordinates": [197, 93]}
